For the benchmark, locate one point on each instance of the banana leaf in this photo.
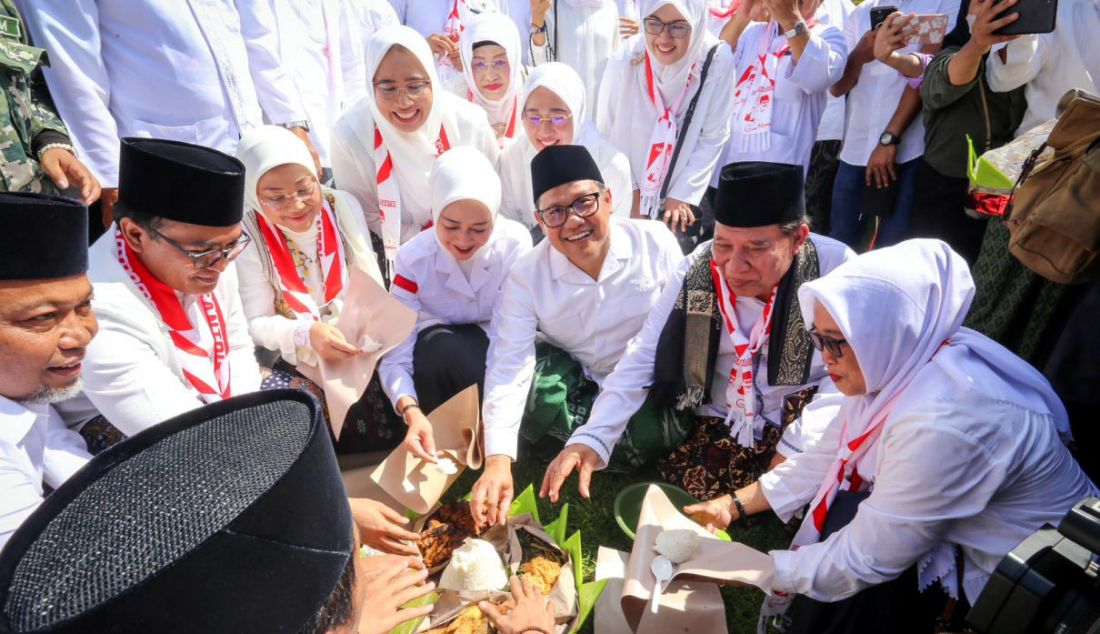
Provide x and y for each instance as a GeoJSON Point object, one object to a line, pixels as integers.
{"type": "Point", "coordinates": [412, 626]}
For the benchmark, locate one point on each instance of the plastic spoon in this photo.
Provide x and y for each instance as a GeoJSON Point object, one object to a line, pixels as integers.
{"type": "Point", "coordinates": [662, 570]}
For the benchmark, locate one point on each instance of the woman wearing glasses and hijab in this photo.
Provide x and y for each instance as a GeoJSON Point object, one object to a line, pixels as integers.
{"type": "Point", "coordinates": [554, 113]}
{"type": "Point", "coordinates": [384, 148]}
{"type": "Point", "coordinates": [493, 72]}
{"type": "Point", "coordinates": [451, 276]}
{"type": "Point", "coordinates": [672, 122]}
{"type": "Point", "coordinates": [294, 280]}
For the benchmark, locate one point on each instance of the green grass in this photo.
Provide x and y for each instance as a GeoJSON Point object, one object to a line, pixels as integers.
{"type": "Point", "coordinates": [595, 520]}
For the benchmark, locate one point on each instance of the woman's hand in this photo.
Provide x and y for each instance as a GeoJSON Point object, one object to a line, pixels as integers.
{"type": "Point", "coordinates": [530, 612]}
{"type": "Point", "coordinates": [890, 37]}
{"type": "Point", "coordinates": [716, 514]}
{"type": "Point", "coordinates": [628, 27]}
{"type": "Point", "coordinates": [419, 439]}
{"type": "Point", "coordinates": [579, 457]}
{"type": "Point", "coordinates": [677, 212]}
{"type": "Point", "coordinates": [329, 343]}
{"type": "Point", "coordinates": [382, 528]}
{"type": "Point", "coordinates": [493, 492]}
{"type": "Point", "coordinates": [443, 46]}
{"type": "Point", "coordinates": [391, 582]}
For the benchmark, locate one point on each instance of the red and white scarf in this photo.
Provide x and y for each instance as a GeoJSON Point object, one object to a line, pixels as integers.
{"type": "Point", "coordinates": [389, 194]}
{"type": "Point", "coordinates": [718, 9]}
{"type": "Point", "coordinates": [206, 370]}
{"type": "Point", "coordinates": [741, 390]}
{"type": "Point", "coordinates": [330, 254]}
{"type": "Point", "coordinates": [754, 94]}
{"type": "Point", "coordinates": [454, 26]}
{"type": "Point", "coordinates": [662, 140]}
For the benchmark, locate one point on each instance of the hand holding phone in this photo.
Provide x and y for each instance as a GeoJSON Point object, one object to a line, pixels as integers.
{"type": "Point", "coordinates": [878, 15]}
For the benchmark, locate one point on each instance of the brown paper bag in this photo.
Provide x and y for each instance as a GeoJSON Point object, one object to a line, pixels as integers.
{"type": "Point", "coordinates": [715, 560]}
{"type": "Point", "coordinates": [456, 426]}
{"type": "Point", "coordinates": [369, 311]}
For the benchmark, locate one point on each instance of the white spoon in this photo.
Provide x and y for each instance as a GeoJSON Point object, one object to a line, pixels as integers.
{"type": "Point", "coordinates": [662, 570]}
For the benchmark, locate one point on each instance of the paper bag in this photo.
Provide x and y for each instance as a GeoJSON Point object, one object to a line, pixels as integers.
{"type": "Point", "coordinates": [369, 312]}
{"type": "Point", "coordinates": [456, 426]}
{"type": "Point", "coordinates": [715, 560]}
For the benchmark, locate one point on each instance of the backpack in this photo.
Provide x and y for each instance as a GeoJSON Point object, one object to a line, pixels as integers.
{"type": "Point", "coordinates": [1054, 218]}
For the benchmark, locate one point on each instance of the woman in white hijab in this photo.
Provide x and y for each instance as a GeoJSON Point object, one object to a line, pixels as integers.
{"type": "Point", "coordinates": [451, 276]}
{"type": "Point", "coordinates": [945, 439]}
{"type": "Point", "coordinates": [583, 34]}
{"type": "Point", "coordinates": [646, 94]}
{"type": "Point", "coordinates": [293, 281]}
{"type": "Point", "coordinates": [493, 71]}
{"type": "Point", "coordinates": [554, 113]}
{"type": "Point", "coordinates": [384, 147]}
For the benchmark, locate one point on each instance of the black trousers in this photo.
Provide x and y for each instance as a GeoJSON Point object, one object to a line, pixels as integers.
{"type": "Point", "coordinates": [824, 163]}
{"type": "Point", "coordinates": [938, 212]}
{"type": "Point", "coordinates": [447, 360]}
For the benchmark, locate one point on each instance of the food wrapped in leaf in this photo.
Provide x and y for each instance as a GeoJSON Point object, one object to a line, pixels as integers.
{"type": "Point", "coordinates": [447, 529]}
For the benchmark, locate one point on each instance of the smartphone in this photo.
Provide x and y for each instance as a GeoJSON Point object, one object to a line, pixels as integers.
{"type": "Point", "coordinates": [878, 15]}
{"type": "Point", "coordinates": [1036, 16]}
{"type": "Point", "coordinates": [926, 29]}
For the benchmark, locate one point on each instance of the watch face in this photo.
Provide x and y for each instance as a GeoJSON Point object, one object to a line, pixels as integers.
{"type": "Point", "coordinates": [886, 139]}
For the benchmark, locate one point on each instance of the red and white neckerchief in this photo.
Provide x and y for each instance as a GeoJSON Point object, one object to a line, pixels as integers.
{"type": "Point", "coordinates": [662, 140]}
{"type": "Point", "coordinates": [741, 391]}
{"type": "Point", "coordinates": [454, 26]}
{"type": "Point", "coordinates": [206, 370]}
{"type": "Point", "coordinates": [754, 94]}
{"type": "Point", "coordinates": [502, 131]}
{"type": "Point", "coordinates": [718, 9]}
{"type": "Point", "coordinates": [389, 194]}
{"type": "Point", "coordinates": [330, 254]}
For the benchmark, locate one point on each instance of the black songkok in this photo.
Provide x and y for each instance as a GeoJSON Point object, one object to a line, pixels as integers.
{"type": "Point", "coordinates": [229, 518]}
{"type": "Point", "coordinates": [561, 164]}
{"type": "Point", "coordinates": [758, 194]}
{"type": "Point", "coordinates": [46, 237]}
{"type": "Point", "coordinates": [180, 181]}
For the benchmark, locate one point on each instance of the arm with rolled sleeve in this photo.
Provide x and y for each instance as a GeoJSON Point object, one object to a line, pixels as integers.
{"type": "Point", "coordinates": [822, 61]}
{"type": "Point", "coordinates": [692, 176]}
{"type": "Point", "coordinates": [510, 367]}
{"type": "Point", "coordinates": [906, 514]}
{"type": "Point", "coordinates": [280, 103]}
{"type": "Point", "coordinates": [1024, 59]}
{"type": "Point", "coordinates": [396, 369]}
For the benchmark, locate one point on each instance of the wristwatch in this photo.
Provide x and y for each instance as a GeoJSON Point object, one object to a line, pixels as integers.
{"type": "Point", "coordinates": [800, 28]}
{"type": "Point", "coordinates": [889, 138]}
{"type": "Point", "coordinates": [296, 124]}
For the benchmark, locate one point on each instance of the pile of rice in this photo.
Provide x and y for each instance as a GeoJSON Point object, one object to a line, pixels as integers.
{"type": "Point", "coordinates": [475, 566]}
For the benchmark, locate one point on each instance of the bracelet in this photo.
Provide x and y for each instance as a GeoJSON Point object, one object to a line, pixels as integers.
{"type": "Point", "coordinates": [740, 507]}
{"type": "Point", "coordinates": [55, 146]}
{"type": "Point", "coordinates": [538, 29]}
{"type": "Point", "coordinates": [303, 124]}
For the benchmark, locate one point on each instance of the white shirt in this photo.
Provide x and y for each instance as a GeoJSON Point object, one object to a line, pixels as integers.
{"type": "Point", "coordinates": [197, 71]}
{"type": "Point", "coordinates": [433, 285]}
{"type": "Point", "coordinates": [625, 390]}
{"type": "Point", "coordinates": [321, 45]}
{"type": "Point", "coordinates": [591, 320]}
{"type": "Point", "coordinates": [833, 13]}
{"type": "Point", "coordinates": [1050, 64]}
{"type": "Point", "coordinates": [800, 91]}
{"type": "Point", "coordinates": [35, 448]}
{"type": "Point", "coordinates": [589, 37]}
{"type": "Point", "coordinates": [132, 373]}
{"type": "Point", "coordinates": [625, 117]}
{"type": "Point", "coordinates": [872, 102]}
{"type": "Point", "coordinates": [952, 468]}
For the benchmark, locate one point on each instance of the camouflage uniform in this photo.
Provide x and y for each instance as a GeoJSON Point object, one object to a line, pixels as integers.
{"type": "Point", "coordinates": [29, 120]}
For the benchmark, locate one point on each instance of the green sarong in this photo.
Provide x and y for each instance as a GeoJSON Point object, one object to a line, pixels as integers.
{"type": "Point", "coordinates": [561, 399]}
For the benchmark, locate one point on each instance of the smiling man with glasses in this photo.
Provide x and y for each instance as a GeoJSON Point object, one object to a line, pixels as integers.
{"type": "Point", "coordinates": [173, 335]}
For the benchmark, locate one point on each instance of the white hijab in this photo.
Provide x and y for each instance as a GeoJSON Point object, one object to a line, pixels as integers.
{"type": "Point", "coordinates": [465, 174]}
{"type": "Point", "coordinates": [265, 148]}
{"type": "Point", "coordinates": [672, 79]}
{"type": "Point", "coordinates": [896, 306]}
{"type": "Point", "coordinates": [500, 30]}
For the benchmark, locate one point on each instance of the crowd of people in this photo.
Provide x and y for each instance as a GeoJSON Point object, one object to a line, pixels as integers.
{"type": "Point", "coordinates": [726, 239]}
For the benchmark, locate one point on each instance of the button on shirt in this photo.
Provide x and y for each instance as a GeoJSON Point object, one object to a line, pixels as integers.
{"type": "Point", "coordinates": [872, 102]}
{"type": "Point", "coordinates": [35, 448]}
{"type": "Point", "coordinates": [591, 320]}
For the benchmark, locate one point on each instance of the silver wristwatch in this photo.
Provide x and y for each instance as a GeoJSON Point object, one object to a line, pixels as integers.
{"type": "Point", "coordinates": [800, 28]}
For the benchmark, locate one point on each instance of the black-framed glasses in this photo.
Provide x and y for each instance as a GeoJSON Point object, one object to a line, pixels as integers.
{"type": "Point", "coordinates": [677, 30]}
{"type": "Point", "coordinates": [558, 120]}
{"type": "Point", "coordinates": [207, 259]}
{"type": "Point", "coordinates": [583, 207]}
{"type": "Point", "coordinates": [830, 344]}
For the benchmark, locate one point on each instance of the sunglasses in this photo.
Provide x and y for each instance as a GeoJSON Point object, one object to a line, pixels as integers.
{"type": "Point", "coordinates": [830, 344]}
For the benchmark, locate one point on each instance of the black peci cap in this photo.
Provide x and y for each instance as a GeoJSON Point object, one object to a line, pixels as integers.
{"type": "Point", "coordinates": [47, 237]}
{"type": "Point", "coordinates": [758, 194]}
{"type": "Point", "coordinates": [560, 164]}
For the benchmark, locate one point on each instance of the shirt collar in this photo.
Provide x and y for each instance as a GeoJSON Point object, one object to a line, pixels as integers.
{"type": "Point", "coordinates": [621, 248]}
{"type": "Point", "coordinates": [17, 419]}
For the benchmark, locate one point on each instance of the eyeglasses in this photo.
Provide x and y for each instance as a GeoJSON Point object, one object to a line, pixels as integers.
{"type": "Point", "coordinates": [677, 30]}
{"type": "Point", "coordinates": [556, 120]}
{"type": "Point", "coordinates": [416, 90]}
{"type": "Point", "coordinates": [300, 195]}
{"type": "Point", "coordinates": [207, 259]}
{"type": "Point", "coordinates": [829, 344]}
{"type": "Point", "coordinates": [480, 66]}
{"type": "Point", "coordinates": [582, 207]}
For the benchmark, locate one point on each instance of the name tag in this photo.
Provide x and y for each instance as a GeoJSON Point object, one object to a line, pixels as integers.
{"type": "Point", "coordinates": [11, 28]}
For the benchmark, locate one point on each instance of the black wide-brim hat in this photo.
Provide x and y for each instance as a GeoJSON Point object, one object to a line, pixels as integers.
{"type": "Point", "coordinates": [180, 181]}
{"type": "Point", "coordinates": [46, 237]}
{"type": "Point", "coordinates": [758, 194]}
{"type": "Point", "coordinates": [229, 518]}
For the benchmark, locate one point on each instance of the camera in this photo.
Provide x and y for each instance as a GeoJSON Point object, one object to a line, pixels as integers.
{"type": "Point", "coordinates": [1049, 582]}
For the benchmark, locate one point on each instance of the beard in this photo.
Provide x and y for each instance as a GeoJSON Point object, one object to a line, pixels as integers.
{"type": "Point", "coordinates": [51, 395]}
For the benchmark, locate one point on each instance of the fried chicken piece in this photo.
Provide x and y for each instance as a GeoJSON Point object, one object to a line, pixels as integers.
{"type": "Point", "coordinates": [470, 621]}
{"type": "Point", "coordinates": [542, 572]}
{"type": "Point", "coordinates": [447, 529]}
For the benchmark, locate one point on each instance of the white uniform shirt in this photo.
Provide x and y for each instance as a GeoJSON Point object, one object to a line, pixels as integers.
{"type": "Point", "coordinates": [624, 391]}
{"type": "Point", "coordinates": [591, 320]}
{"type": "Point", "coordinates": [872, 102]}
{"type": "Point", "coordinates": [353, 157]}
{"type": "Point", "coordinates": [589, 37]}
{"type": "Point", "coordinates": [800, 91]}
{"type": "Point", "coordinates": [625, 117]}
{"type": "Point", "coordinates": [833, 13]}
{"type": "Point", "coordinates": [187, 70]}
{"type": "Point", "coordinates": [952, 468]}
{"type": "Point", "coordinates": [1049, 64]}
{"type": "Point", "coordinates": [132, 373]}
{"type": "Point", "coordinates": [430, 282]}
{"type": "Point", "coordinates": [35, 448]}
